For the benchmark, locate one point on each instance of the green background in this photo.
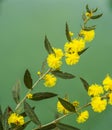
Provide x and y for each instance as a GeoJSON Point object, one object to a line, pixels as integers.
{"type": "Point", "coordinates": [23, 26]}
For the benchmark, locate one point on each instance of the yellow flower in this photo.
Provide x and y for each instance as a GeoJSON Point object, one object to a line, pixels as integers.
{"type": "Point", "coordinates": [107, 82]}
{"type": "Point", "coordinates": [29, 96]}
{"type": "Point", "coordinates": [110, 98]}
{"type": "Point", "coordinates": [95, 90]}
{"type": "Point", "coordinates": [53, 61]}
{"type": "Point", "coordinates": [38, 73]}
{"type": "Point", "coordinates": [72, 59]}
{"type": "Point", "coordinates": [15, 119]}
{"type": "Point", "coordinates": [98, 104]}
{"type": "Point", "coordinates": [75, 103]}
{"type": "Point", "coordinates": [71, 33]}
{"type": "Point", "coordinates": [88, 35]}
{"type": "Point", "coordinates": [61, 109]}
{"type": "Point", "coordinates": [58, 52]}
{"type": "Point", "coordinates": [50, 80]}
{"type": "Point", "coordinates": [79, 44]}
{"type": "Point", "coordinates": [69, 47]}
{"type": "Point", "coordinates": [89, 14]}
{"type": "Point", "coordinates": [83, 116]}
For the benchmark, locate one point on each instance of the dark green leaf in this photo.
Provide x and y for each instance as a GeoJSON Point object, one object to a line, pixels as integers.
{"type": "Point", "coordinates": [1, 116]}
{"type": "Point", "coordinates": [28, 79]}
{"type": "Point", "coordinates": [94, 10]}
{"type": "Point", "coordinates": [5, 119]}
{"type": "Point", "coordinates": [87, 9]}
{"type": "Point", "coordinates": [48, 45]}
{"type": "Point", "coordinates": [16, 92]}
{"type": "Point", "coordinates": [67, 105]}
{"type": "Point", "coordinates": [42, 95]}
{"type": "Point", "coordinates": [83, 16]}
{"type": "Point", "coordinates": [31, 114]}
{"type": "Point", "coordinates": [47, 127]}
{"type": "Point", "coordinates": [24, 114]}
{"type": "Point", "coordinates": [66, 127]}
{"type": "Point", "coordinates": [63, 75]}
{"type": "Point", "coordinates": [85, 83]}
{"type": "Point", "coordinates": [81, 52]}
{"type": "Point", "coordinates": [67, 33]}
{"type": "Point", "coordinates": [23, 126]}
{"type": "Point", "coordinates": [89, 28]}
{"type": "Point", "coordinates": [96, 16]}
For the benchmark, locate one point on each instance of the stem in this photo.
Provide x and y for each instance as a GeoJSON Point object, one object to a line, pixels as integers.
{"type": "Point", "coordinates": [18, 105]}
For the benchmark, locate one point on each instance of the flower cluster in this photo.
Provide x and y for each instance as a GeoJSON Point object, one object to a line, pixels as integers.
{"type": "Point", "coordinates": [101, 95]}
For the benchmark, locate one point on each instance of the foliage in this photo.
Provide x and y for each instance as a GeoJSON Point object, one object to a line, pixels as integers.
{"type": "Point", "coordinates": [100, 95]}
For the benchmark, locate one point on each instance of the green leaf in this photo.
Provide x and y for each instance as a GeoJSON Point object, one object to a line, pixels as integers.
{"type": "Point", "coordinates": [16, 92]}
{"type": "Point", "coordinates": [87, 9]}
{"type": "Point", "coordinates": [47, 127]}
{"type": "Point", "coordinates": [24, 114]}
{"type": "Point", "coordinates": [67, 33]}
{"type": "Point", "coordinates": [1, 116]}
{"type": "Point", "coordinates": [48, 46]}
{"type": "Point", "coordinates": [81, 52]}
{"type": "Point", "coordinates": [5, 119]}
{"type": "Point", "coordinates": [31, 114]}
{"type": "Point", "coordinates": [63, 75]}
{"type": "Point", "coordinates": [62, 126]}
{"type": "Point", "coordinates": [83, 16]}
{"type": "Point", "coordinates": [94, 10]}
{"type": "Point", "coordinates": [67, 105]}
{"type": "Point", "coordinates": [96, 16]}
{"type": "Point", "coordinates": [42, 95]}
{"type": "Point", "coordinates": [85, 83]}
{"type": "Point", "coordinates": [89, 28]}
{"type": "Point", "coordinates": [27, 79]}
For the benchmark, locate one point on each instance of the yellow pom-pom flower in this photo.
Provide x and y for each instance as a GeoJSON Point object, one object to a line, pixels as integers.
{"type": "Point", "coordinates": [83, 116]}
{"type": "Point", "coordinates": [71, 33]}
{"type": "Point", "coordinates": [53, 61]}
{"type": "Point", "coordinates": [72, 59]}
{"type": "Point", "coordinates": [61, 109]}
{"type": "Point", "coordinates": [58, 53]}
{"type": "Point", "coordinates": [50, 80]}
{"type": "Point", "coordinates": [98, 104]}
{"type": "Point", "coordinates": [29, 96]}
{"type": "Point", "coordinates": [88, 35]}
{"type": "Point", "coordinates": [95, 90]}
{"type": "Point", "coordinates": [16, 119]}
{"type": "Point", "coordinates": [107, 82]}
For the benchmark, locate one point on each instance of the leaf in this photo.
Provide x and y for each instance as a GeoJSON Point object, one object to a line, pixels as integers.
{"type": "Point", "coordinates": [62, 126]}
{"type": "Point", "coordinates": [87, 9]}
{"type": "Point", "coordinates": [96, 16]}
{"type": "Point", "coordinates": [67, 105]}
{"type": "Point", "coordinates": [5, 119]}
{"type": "Point", "coordinates": [42, 95]}
{"type": "Point", "coordinates": [63, 75]}
{"type": "Point", "coordinates": [24, 114]}
{"type": "Point", "coordinates": [89, 28]}
{"type": "Point", "coordinates": [16, 92]}
{"type": "Point", "coordinates": [1, 116]}
{"type": "Point", "coordinates": [81, 52]}
{"type": "Point", "coordinates": [47, 127]}
{"type": "Point", "coordinates": [94, 10]}
{"type": "Point", "coordinates": [27, 79]}
{"type": "Point", "coordinates": [48, 46]}
{"type": "Point", "coordinates": [67, 33]}
{"type": "Point", "coordinates": [85, 83]}
{"type": "Point", "coordinates": [31, 114]}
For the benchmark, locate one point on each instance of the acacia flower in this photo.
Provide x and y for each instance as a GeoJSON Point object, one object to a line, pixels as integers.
{"type": "Point", "coordinates": [89, 14]}
{"type": "Point", "coordinates": [75, 103]}
{"type": "Point", "coordinates": [15, 119]}
{"type": "Point", "coordinates": [72, 59]}
{"type": "Point", "coordinates": [53, 61]}
{"type": "Point", "coordinates": [107, 82]}
{"type": "Point", "coordinates": [95, 90]}
{"type": "Point", "coordinates": [88, 35]}
{"type": "Point", "coordinates": [98, 104]}
{"type": "Point", "coordinates": [71, 33]}
{"type": "Point", "coordinates": [110, 98]}
{"type": "Point", "coordinates": [50, 80]}
{"type": "Point", "coordinates": [58, 52]}
{"type": "Point", "coordinates": [29, 96]}
{"type": "Point", "coordinates": [83, 116]}
{"type": "Point", "coordinates": [61, 109]}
